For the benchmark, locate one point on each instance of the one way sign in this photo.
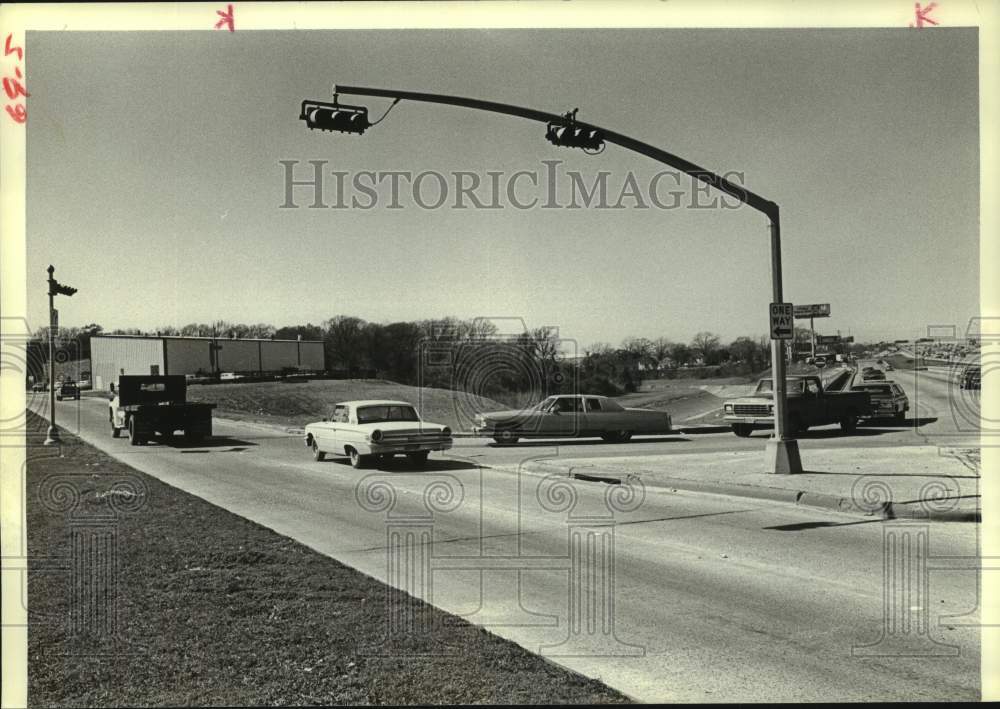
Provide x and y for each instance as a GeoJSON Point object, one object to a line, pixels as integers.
{"type": "Point", "coordinates": [782, 319]}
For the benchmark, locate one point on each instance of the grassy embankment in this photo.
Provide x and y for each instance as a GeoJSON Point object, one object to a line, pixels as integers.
{"type": "Point", "coordinates": [216, 610]}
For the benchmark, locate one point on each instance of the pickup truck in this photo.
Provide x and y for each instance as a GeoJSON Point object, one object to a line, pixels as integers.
{"type": "Point", "coordinates": [148, 405]}
{"type": "Point", "coordinates": [808, 405]}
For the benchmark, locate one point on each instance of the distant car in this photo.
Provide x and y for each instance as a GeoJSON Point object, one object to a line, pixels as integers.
{"type": "Point", "coordinates": [971, 377]}
{"type": "Point", "coordinates": [888, 399]}
{"type": "Point", "coordinates": [573, 415]}
{"type": "Point", "coordinates": [820, 361]}
{"type": "Point", "coordinates": [38, 386]}
{"type": "Point", "coordinates": [68, 390]}
{"type": "Point", "coordinates": [373, 429]}
{"type": "Point", "coordinates": [873, 374]}
{"type": "Point", "coordinates": [230, 377]}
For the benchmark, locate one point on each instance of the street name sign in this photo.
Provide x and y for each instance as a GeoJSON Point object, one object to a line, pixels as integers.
{"type": "Point", "coordinates": [782, 320]}
{"type": "Point", "coordinates": [816, 310]}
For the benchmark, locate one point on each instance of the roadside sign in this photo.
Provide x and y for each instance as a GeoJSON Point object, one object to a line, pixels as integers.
{"type": "Point", "coordinates": [782, 320]}
{"type": "Point", "coordinates": [827, 339]}
{"type": "Point", "coordinates": [816, 310]}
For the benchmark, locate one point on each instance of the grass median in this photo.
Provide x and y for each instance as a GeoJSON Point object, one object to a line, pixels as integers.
{"type": "Point", "coordinates": [175, 601]}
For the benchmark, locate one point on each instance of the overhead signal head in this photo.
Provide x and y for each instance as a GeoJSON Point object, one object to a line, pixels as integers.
{"type": "Point", "coordinates": [335, 117]}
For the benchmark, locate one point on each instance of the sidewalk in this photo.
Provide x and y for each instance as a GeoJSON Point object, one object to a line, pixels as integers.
{"type": "Point", "coordinates": [924, 482]}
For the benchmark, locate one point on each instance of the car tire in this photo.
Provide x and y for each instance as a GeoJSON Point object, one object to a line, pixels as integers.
{"type": "Point", "coordinates": [849, 423]}
{"type": "Point", "coordinates": [505, 438]}
{"type": "Point", "coordinates": [357, 460]}
{"type": "Point", "coordinates": [743, 430]}
{"type": "Point", "coordinates": [419, 458]}
{"type": "Point", "coordinates": [797, 424]}
{"type": "Point", "coordinates": [318, 455]}
{"type": "Point", "coordinates": [900, 417]}
{"type": "Point", "coordinates": [623, 436]}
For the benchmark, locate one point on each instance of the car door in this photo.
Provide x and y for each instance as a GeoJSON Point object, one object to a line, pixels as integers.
{"type": "Point", "coordinates": [563, 417]}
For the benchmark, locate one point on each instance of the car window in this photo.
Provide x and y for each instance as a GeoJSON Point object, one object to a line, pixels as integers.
{"type": "Point", "coordinates": [593, 405]}
{"type": "Point", "coordinates": [386, 412]}
{"type": "Point", "coordinates": [340, 414]}
{"type": "Point", "coordinates": [812, 387]}
{"type": "Point", "coordinates": [568, 403]}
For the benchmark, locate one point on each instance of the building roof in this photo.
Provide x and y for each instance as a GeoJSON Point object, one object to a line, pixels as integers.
{"type": "Point", "coordinates": [185, 337]}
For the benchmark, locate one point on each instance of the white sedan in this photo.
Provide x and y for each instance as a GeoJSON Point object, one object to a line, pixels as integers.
{"type": "Point", "coordinates": [367, 430]}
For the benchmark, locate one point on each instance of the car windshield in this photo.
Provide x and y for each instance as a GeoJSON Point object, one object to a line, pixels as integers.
{"type": "Point", "coordinates": [764, 386]}
{"type": "Point", "coordinates": [387, 412]}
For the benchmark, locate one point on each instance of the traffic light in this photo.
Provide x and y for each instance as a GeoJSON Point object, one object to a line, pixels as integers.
{"type": "Point", "coordinates": [334, 117]}
{"type": "Point", "coordinates": [570, 134]}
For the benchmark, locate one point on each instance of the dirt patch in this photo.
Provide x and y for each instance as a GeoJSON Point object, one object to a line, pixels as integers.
{"type": "Point", "coordinates": [188, 604]}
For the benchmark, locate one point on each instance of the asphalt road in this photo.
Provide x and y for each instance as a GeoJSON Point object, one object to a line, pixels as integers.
{"type": "Point", "coordinates": [711, 598]}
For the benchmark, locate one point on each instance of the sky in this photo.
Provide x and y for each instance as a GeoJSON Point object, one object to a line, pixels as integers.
{"type": "Point", "coordinates": [155, 181]}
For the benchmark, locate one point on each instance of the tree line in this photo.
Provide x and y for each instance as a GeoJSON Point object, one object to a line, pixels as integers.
{"type": "Point", "coordinates": [472, 355]}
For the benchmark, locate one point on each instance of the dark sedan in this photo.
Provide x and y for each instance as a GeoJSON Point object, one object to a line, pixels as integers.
{"type": "Point", "coordinates": [573, 416]}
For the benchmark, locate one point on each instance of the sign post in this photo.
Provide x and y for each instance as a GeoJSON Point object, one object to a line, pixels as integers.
{"type": "Point", "coordinates": [814, 310]}
{"type": "Point", "coordinates": [782, 453]}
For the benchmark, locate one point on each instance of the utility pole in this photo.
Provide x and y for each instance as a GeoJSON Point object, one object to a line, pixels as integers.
{"type": "Point", "coordinates": [55, 288]}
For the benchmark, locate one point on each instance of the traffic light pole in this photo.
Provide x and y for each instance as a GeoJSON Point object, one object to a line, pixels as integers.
{"type": "Point", "coordinates": [782, 453]}
{"type": "Point", "coordinates": [53, 433]}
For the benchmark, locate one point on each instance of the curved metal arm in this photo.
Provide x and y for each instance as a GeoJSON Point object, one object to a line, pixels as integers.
{"type": "Point", "coordinates": [707, 176]}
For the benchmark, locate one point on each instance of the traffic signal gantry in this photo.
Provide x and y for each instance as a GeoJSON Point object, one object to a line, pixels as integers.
{"type": "Point", "coordinates": [782, 451]}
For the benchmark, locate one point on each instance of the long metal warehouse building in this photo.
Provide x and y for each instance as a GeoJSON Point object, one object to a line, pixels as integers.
{"type": "Point", "coordinates": [113, 355]}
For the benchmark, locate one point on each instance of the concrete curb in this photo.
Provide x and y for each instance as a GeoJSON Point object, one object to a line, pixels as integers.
{"type": "Point", "coordinates": [825, 501]}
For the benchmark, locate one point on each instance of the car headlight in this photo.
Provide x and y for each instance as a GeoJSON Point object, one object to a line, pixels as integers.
{"type": "Point", "coordinates": [375, 436]}
{"type": "Point", "coordinates": [446, 431]}
{"type": "Point", "coordinates": [729, 408]}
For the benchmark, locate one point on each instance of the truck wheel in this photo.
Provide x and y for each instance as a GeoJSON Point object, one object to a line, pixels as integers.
{"type": "Point", "coordinates": [133, 438]}
{"type": "Point", "coordinates": [849, 423]}
{"type": "Point", "coordinates": [357, 460]}
{"type": "Point", "coordinates": [743, 430]}
{"type": "Point", "coordinates": [317, 453]}
{"type": "Point", "coordinates": [419, 458]}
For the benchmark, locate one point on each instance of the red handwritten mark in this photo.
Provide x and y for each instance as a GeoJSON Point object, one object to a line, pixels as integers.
{"type": "Point", "coordinates": [227, 18]}
{"type": "Point", "coordinates": [12, 87]}
{"type": "Point", "coordinates": [923, 14]}
{"type": "Point", "coordinates": [17, 113]}
{"type": "Point", "coordinates": [7, 49]}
